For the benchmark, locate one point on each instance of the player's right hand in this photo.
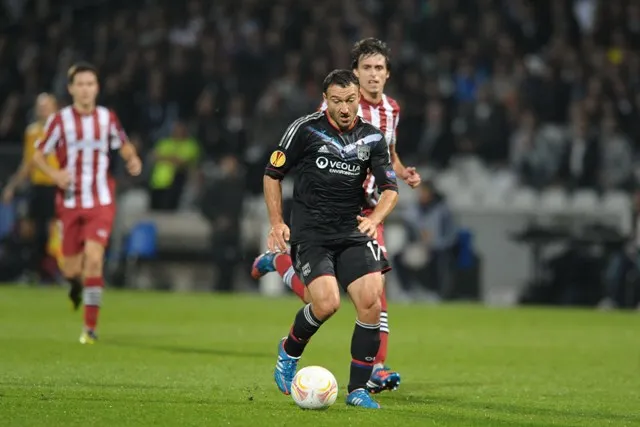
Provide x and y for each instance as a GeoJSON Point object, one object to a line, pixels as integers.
{"type": "Point", "coordinates": [278, 238]}
{"type": "Point", "coordinates": [63, 179]}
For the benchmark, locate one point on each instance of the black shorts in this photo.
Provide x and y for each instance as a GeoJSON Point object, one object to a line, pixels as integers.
{"type": "Point", "coordinates": [347, 262]}
{"type": "Point", "coordinates": [42, 203]}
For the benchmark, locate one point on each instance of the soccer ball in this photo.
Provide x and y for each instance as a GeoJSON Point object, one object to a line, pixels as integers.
{"type": "Point", "coordinates": [314, 387]}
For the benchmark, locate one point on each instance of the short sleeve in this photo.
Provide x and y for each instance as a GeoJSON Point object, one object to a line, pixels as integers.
{"type": "Point", "coordinates": [117, 135]}
{"type": "Point", "coordinates": [381, 166]}
{"type": "Point", "coordinates": [285, 156]}
{"type": "Point", "coordinates": [395, 129]}
{"type": "Point", "coordinates": [51, 135]}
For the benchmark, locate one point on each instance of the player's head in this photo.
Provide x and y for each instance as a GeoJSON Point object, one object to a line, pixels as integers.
{"type": "Point", "coordinates": [46, 105]}
{"type": "Point", "coordinates": [83, 83]}
{"type": "Point", "coordinates": [370, 63]}
{"type": "Point", "coordinates": [341, 92]}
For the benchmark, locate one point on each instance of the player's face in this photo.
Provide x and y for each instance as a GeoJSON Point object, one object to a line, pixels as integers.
{"type": "Point", "coordinates": [342, 104]}
{"type": "Point", "coordinates": [372, 72]}
{"type": "Point", "coordinates": [84, 88]}
{"type": "Point", "coordinates": [45, 106]}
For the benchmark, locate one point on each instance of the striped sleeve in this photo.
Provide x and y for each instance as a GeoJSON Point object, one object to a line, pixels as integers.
{"type": "Point", "coordinates": [396, 120]}
{"type": "Point", "coordinates": [117, 135]}
{"type": "Point", "coordinates": [291, 146]}
{"type": "Point", "coordinates": [51, 134]}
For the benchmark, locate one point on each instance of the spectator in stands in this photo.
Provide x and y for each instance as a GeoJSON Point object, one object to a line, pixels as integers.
{"type": "Point", "coordinates": [622, 278]}
{"type": "Point", "coordinates": [534, 151]}
{"type": "Point", "coordinates": [222, 204]}
{"type": "Point", "coordinates": [580, 165]}
{"type": "Point", "coordinates": [617, 156]}
{"type": "Point", "coordinates": [436, 141]}
{"type": "Point", "coordinates": [174, 161]}
{"type": "Point", "coordinates": [427, 262]}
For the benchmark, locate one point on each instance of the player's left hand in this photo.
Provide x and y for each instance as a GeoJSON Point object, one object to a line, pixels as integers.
{"type": "Point", "coordinates": [411, 177]}
{"type": "Point", "coordinates": [367, 226]}
{"type": "Point", "coordinates": [134, 166]}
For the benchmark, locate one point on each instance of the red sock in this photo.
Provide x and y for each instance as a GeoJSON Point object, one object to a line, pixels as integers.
{"type": "Point", "coordinates": [92, 296]}
{"type": "Point", "coordinates": [384, 330]}
{"type": "Point", "coordinates": [284, 266]}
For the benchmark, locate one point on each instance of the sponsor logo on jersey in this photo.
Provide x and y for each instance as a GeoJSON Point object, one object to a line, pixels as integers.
{"type": "Point", "coordinates": [278, 159]}
{"type": "Point", "coordinates": [323, 149]}
{"type": "Point", "coordinates": [336, 166]}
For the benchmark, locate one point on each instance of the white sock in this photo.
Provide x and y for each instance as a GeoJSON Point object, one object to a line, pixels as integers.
{"type": "Point", "coordinates": [288, 276]}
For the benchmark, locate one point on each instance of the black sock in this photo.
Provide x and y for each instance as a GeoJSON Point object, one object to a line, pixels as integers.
{"type": "Point", "coordinates": [364, 347]}
{"type": "Point", "coordinates": [304, 326]}
{"type": "Point", "coordinates": [75, 282]}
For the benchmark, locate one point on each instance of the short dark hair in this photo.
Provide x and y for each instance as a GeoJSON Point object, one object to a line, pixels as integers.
{"type": "Point", "coordinates": [80, 67]}
{"type": "Point", "coordinates": [367, 47]}
{"type": "Point", "coordinates": [342, 78]}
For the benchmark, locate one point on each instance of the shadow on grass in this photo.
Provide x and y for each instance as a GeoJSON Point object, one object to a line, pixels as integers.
{"type": "Point", "coordinates": [177, 349]}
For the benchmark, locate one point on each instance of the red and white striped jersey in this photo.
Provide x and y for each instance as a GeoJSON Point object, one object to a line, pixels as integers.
{"type": "Point", "coordinates": [385, 116]}
{"type": "Point", "coordinates": [82, 143]}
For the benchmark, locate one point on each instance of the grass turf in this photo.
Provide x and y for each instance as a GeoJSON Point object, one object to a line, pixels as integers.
{"type": "Point", "coordinates": [205, 359]}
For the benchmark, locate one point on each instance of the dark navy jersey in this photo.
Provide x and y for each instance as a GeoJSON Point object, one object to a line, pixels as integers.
{"type": "Point", "coordinates": [331, 167]}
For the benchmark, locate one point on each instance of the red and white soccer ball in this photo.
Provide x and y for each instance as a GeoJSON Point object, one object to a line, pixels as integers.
{"type": "Point", "coordinates": [314, 387]}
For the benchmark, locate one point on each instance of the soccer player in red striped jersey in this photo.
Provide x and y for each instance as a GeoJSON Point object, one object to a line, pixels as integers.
{"type": "Point", "coordinates": [370, 63]}
{"type": "Point", "coordinates": [83, 136]}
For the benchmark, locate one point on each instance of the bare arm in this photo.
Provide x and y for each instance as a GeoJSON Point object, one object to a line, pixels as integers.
{"type": "Point", "coordinates": [387, 202]}
{"type": "Point", "coordinates": [128, 151]}
{"type": "Point", "coordinates": [273, 199]}
{"type": "Point", "coordinates": [396, 163]}
{"type": "Point", "coordinates": [130, 156]}
{"type": "Point", "coordinates": [20, 176]}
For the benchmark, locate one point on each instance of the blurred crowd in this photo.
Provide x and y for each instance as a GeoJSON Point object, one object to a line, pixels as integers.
{"type": "Point", "coordinates": [548, 88]}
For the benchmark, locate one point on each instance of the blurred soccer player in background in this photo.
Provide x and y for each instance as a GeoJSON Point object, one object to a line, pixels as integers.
{"type": "Point", "coordinates": [82, 136]}
{"type": "Point", "coordinates": [42, 190]}
{"type": "Point", "coordinates": [370, 61]}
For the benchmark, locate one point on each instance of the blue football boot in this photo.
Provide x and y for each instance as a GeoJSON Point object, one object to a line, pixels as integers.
{"type": "Point", "coordinates": [383, 379]}
{"type": "Point", "coordinates": [263, 264]}
{"type": "Point", "coordinates": [361, 397]}
{"type": "Point", "coordinates": [286, 368]}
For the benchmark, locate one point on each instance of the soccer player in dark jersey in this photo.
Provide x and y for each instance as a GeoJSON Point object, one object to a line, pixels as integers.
{"type": "Point", "coordinates": [332, 244]}
{"type": "Point", "coordinates": [370, 61]}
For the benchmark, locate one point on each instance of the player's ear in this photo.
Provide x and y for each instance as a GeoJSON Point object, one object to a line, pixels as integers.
{"type": "Point", "coordinates": [324, 96]}
{"type": "Point", "coordinates": [357, 73]}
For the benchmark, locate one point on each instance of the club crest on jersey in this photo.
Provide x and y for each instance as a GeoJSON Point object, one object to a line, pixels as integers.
{"type": "Point", "coordinates": [360, 149]}
{"type": "Point", "coordinates": [363, 152]}
{"type": "Point", "coordinates": [278, 159]}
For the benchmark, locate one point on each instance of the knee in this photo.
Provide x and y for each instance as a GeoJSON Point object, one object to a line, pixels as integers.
{"type": "Point", "coordinates": [71, 268]}
{"type": "Point", "coordinates": [71, 272]}
{"type": "Point", "coordinates": [370, 307]}
{"type": "Point", "coordinates": [326, 307]}
{"type": "Point", "coordinates": [93, 263]}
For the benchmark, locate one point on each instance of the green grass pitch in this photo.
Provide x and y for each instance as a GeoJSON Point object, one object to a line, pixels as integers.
{"type": "Point", "coordinates": [207, 360]}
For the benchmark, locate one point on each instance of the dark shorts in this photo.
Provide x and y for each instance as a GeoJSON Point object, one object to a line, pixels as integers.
{"type": "Point", "coordinates": [347, 262]}
{"type": "Point", "coordinates": [42, 203]}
